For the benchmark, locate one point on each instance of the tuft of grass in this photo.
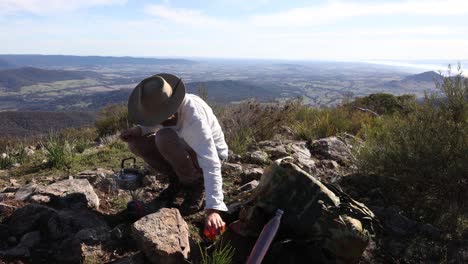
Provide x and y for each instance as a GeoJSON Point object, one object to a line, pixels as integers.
{"type": "Point", "coordinates": [222, 254]}
{"type": "Point", "coordinates": [58, 152]}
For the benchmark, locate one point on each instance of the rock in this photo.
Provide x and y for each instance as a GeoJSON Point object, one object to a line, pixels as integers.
{"type": "Point", "coordinates": [107, 185]}
{"type": "Point", "coordinates": [7, 196]}
{"type": "Point", "coordinates": [248, 186]}
{"type": "Point", "coordinates": [67, 223]}
{"type": "Point", "coordinates": [26, 191]}
{"type": "Point", "coordinates": [14, 183]}
{"type": "Point", "coordinates": [94, 176]}
{"type": "Point", "coordinates": [149, 180]}
{"type": "Point", "coordinates": [137, 258]}
{"type": "Point", "coordinates": [313, 211]}
{"type": "Point", "coordinates": [231, 168]}
{"type": "Point", "coordinates": [329, 164]}
{"type": "Point", "coordinates": [10, 189]}
{"type": "Point", "coordinates": [332, 148]}
{"type": "Point", "coordinates": [298, 150]}
{"type": "Point", "coordinates": [257, 157]}
{"type": "Point", "coordinates": [251, 174]}
{"type": "Point", "coordinates": [121, 231]}
{"type": "Point", "coordinates": [71, 192]}
{"type": "Point", "coordinates": [395, 223]}
{"type": "Point", "coordinates": [30, 240]}
{"type": "Point", "coordinates": [4, 232]}
{"type": "Point", "coordinates": [29, 218]}
{"type": "Point", "coordinates": [163, 236]}
{"type": "Point", "coordinates": [38, 198]}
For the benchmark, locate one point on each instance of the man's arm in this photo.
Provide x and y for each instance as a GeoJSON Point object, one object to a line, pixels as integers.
{"type": "Point", "coordinates": [200, 138]}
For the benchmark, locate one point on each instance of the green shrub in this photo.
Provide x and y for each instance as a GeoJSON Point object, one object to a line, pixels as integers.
{"type": "Point", "coordinates": [250, 122]}
{"type": "Point", "coordinates": [424, 155]}
{"type": "Point", "coordinates": [58, 152]}
{"type": "Point", "coordinates": [112, 119]}
{"type": "Point", "coordinates": [384, 104]}
{"type": "Point", "coordinates": [312, 123]}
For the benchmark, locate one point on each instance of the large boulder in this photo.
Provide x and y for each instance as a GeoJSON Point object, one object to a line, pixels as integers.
{"type": "Point", "coordinates": [313, 211]}
{"type": "Point", "coordinates": [163, 236]}
{"type": "Point", "coordinates": [68, 192]}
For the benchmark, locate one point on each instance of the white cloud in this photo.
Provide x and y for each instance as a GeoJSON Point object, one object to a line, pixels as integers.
{"type": "Point", "coordinates": [183, 16]}
{"type": "Point", "coordinates": [51, 6]}
{"type": "Point", "coordinates": [334, 11]}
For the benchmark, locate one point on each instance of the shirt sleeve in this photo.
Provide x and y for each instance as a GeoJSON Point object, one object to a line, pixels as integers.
{"type": "Point", "coordinates": [200, 138]}
{"type": "Point", "coordinates": [149, 129]}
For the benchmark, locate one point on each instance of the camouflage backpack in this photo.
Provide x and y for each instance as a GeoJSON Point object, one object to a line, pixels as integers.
{"type": "Point", "coordinates": [320, 217]}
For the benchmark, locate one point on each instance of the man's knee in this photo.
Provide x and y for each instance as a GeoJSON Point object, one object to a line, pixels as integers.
{"type": "Point", "coordinates": [142, 146]}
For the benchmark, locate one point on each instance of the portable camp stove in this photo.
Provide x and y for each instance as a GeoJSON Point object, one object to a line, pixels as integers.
{"type": "Point", "coordinates": [130, 179]}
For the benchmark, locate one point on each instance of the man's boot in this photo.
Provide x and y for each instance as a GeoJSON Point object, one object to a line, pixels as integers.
{"type": "Point", "coordinates": [194, 197]}
{"type": "Point", "coordinates": [169, 194]}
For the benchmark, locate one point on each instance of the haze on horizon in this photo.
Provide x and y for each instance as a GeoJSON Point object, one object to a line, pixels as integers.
{"type": "Point", "coordinates": [265, 29]}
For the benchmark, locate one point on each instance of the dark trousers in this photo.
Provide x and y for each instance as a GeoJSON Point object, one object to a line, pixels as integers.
{"type": "Point", "coordinates": [166, 152]}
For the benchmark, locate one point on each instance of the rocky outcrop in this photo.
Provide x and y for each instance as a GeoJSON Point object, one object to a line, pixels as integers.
{"type": "Point", "coordinates": [163, 236]}
{"type": "Point", "coordinates": [313, 211]}
{"type": "Point", "coordinates": [332, 148]}
{"type": "Point", "coordinates": [29, 218]}
{"type": "Point", "coordinates": [71, 192]}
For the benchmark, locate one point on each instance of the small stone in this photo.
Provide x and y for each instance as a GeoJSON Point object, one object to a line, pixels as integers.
{"type": "Point", "coordinates": [248, 186]}
{"type": "Point", "coordinates": [149, 180]}
{"type": "Point", "coordinates": [329, 164]}
{"type": "Point", "coordinates": [231, 168]}
{"type": "Point", "coordinates": [14, 183]}
{"type": "Point", "coordinates": [163, 236]}
{"type": "Point", "coordinates": [38, 198]}
{"type": "Point", "coordinates": [251, 174]}
{"type": "Point", "coordinates": [26, 191]}
{"type": "Point", "coordinates": [258, 157]}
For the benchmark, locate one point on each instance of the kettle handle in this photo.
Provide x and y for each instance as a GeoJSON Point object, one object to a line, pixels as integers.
{"type": "Point", "coordinates": [122, 165]}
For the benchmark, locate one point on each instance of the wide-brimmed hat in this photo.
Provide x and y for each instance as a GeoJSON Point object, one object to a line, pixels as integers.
{"type": "Point", "coordinates": [155, 99]}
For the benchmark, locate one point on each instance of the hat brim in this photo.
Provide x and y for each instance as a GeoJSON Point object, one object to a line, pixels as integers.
{"type": "Point", "coordinates": [161, 112]}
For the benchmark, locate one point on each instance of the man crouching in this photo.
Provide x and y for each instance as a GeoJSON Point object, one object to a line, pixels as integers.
{"type": "Point", "coordinates": [178, 134]}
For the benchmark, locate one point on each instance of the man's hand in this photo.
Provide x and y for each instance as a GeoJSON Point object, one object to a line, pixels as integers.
{"type": "Point", "coordinates": [214, 221]}
{"type": "Point", "coordinates": [128, 134]}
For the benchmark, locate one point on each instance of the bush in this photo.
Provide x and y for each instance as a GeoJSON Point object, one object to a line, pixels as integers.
{"type": "Point", "coordinates": [112, 119]}
{"type": "Point", "coordinates": [425, 154]}
{"type": "Point", "coordinates": [58, 152]}
{"type": "Point", "coordinates": [312, 123]}
{"type": "Point", "coordinates": [384, 104]}
{"type": "Point", "coordinates": [249, 122]}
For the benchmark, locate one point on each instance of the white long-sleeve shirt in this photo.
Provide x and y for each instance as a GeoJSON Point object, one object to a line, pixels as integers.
{"type": "Point", "coordinates": [200, 128]}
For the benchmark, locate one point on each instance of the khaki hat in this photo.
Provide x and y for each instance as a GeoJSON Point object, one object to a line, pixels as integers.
{"type": "Point", "coordinates": [155, 99]}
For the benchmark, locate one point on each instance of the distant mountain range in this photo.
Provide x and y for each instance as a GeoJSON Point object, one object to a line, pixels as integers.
{"type": "Point", "coordinates": [26, 123]}
{"type": "Point", "coordinates": [12, 80]}
{"type": "Point", "coordinates": [75, 61]}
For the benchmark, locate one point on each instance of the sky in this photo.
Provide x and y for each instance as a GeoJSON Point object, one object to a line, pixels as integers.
{"type": "Point", "coordinates": [351, 30]}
